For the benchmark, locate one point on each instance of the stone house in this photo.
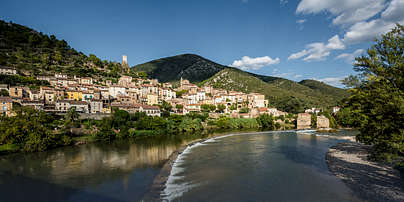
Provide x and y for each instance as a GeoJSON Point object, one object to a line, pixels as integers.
{"type": "Point", "coordinates": [81, 106]}
{"type": "Point", "coordinates": [6, 105]}
{"type": "Point", "coordinates": [62, 105]}
{"type": "Point", "coordinates": [86, 80]}
{"type": "Point", "coordinates": [96, 106]}
{"type": "Point", "coordinates": [7, 70]}
{"type": "Point", "coordinates": [151, 110]}
{"type": "Point", "coordinates": [303, 121]}
{"type": "Point", "coordinates": [16, 92]}
{"type": "Point", "coordinates": [38, 105]}
{"type": "Point", "coordinates": [323, 122]}
{"type": "Point", "coordinates": [74, 95]}
{"type": "Point", "coordinates": [116, 90]}
{"type": "Point", "coordinates": [152, 99]}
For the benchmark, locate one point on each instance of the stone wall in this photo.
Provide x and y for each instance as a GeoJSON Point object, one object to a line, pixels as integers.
{"type": "Point", "coordinates": [303, 121]}
{"type": "Point", "coordinates": [323, 122]}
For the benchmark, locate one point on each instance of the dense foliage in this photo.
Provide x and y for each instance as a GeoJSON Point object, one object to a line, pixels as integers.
{"type": "Point", "coordinates": [17, 80]}
{"type": "Point", "coordinates": [377, 101]}
{"type": "Point", "coordinates": [122, 125]}
{"type": "Point", "coordinates": [283, 94]}
{"type": "Point", "coordinates": [36, 53]}
{"type": "Point", "coordinates": [31, 130]}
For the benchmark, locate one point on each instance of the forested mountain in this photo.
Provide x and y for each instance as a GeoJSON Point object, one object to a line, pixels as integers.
{"type": "Point", "coordinates": [282, 93]}
{"type": "Point", "coordinates": [35, 53]}
{"type": "Point", "coordinates": [192, 67]}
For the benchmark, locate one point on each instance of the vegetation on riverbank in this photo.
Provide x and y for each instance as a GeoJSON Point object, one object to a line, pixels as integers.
{"type": "Point", "coordinates": [31, 130]}
{"type": "Point", "coordinates": [376, 104]}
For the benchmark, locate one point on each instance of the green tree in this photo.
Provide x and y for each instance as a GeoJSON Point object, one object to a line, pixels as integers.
{"type": "Point", "coordinates": [221, 108]}
{"type": "Point", "coordinates": [178, 106]}
{"type": "Point", "coordinates": [71, 118]}
{"type": "Point", "coordinates": [212, 108]}
{"type": "Point", "coordinates": [4, 92]}
{"type": "Point", "coordinates": [377, 103]}
{"type": "Point", "coordinates": [313, 120]}
{"type": "Point", "coordinates": [266, 121]}
{"type": "Point", "coordinates": [205, 108]}
{"type": "Point", "coordinates": [233, 107]}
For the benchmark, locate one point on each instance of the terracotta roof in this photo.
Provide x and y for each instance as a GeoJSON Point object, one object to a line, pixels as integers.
{"type": "Point", "coordinates": [150, 107]}
{"type": "Point", "coordinates": [6, 99]}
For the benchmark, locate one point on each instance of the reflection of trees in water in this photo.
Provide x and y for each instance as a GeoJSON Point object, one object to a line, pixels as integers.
{"type": "Point", "coordinates": [94, 163]}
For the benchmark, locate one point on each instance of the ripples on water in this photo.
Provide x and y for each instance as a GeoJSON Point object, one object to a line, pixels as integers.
{"type": "Point", "coordinates": [124, 171]}
{"type": "Point", "coordinates": [269, 166]}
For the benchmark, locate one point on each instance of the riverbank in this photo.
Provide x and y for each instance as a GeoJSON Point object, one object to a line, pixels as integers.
{"type": "Point", "coordinates": [159, 182]}
{"type": "Point", "coordinates": [369, 180]}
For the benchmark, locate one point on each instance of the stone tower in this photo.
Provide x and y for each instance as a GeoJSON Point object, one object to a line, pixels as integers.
{"type": "Point", "coordinates": [124, 60]}
{"type": "Point", "coordinates": [125, 63]}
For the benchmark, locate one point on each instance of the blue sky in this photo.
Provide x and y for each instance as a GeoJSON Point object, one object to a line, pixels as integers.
{"type": "Point", "coordinates": [302, 39]}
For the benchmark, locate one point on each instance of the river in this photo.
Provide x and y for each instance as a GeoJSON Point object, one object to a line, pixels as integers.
{"type": "Point", "coordinates": [266, 166]}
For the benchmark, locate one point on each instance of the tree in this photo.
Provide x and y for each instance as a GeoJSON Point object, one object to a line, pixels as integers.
{"type": "Point", "coordinates": [205, 108]}
{"type": "Point", "coordinates": [31, 130]}
{"type": "Point", "coordinates": [212, 108]}
{"type": "Point", "coordinates": [244, 110]}
{"type": "Point", "coordinates": [71, 118]}
{"type": "Point", "coordinates": [377, 102]}
{"type": "Point", "coordinates": [4, 92]}
{"type": "Point", "coordinates": [266, 121]}
{"type": "Point", "coordinates": [166, 108]}
{"type": "Point", "coordinates": [233, 107]}
{"type": "Point", "coordinates": [221, 108]}
{"type": "Point", "coordinates": [178, 106]}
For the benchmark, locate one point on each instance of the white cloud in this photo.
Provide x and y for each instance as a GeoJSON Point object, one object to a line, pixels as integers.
{"type": "Point", "coordinates": [366, 20]}
{"type": "Point", "coordinates": [334, 81]}
{"type": "Point", "coordinates": [247, 63]}
{"type": "Point", "coordinates": [350, 57]}
{"type": "Point", "coordinates": [301, 21]}
{"type": "Point", "coordinates": [244, 1]}
{"type": "Point", "coordinates": [369, 30]}
{"type": "Point", "coordinates": [318, 51]}
{"type": "Point", "coordinates": [284, 2]}
{"type": "Point", "coordinates": [343, 11]}
{"type": "Point", "coordinates": [394, 12]}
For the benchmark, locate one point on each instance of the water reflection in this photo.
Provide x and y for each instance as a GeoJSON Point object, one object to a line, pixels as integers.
{"type": "Point", "coordinates": [258, 167]}
{"type": "Point", "coordinates": [121, 171]}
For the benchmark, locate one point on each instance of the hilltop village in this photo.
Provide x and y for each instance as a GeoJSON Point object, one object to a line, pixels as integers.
{"type": "Point", "coordinates": [90, 96]}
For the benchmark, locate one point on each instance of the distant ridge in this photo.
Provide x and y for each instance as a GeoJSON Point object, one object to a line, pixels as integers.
{"type": "Point", "coordinates": [282, 93]}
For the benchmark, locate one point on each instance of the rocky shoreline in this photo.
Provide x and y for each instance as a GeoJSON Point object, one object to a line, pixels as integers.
{"type": "Point", "coordinates": [370, 181]}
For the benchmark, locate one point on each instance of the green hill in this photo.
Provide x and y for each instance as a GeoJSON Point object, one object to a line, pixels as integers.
{"type": "Point", "coordinates": [34, 53]}
{"type": "Point", "coordinates": [282, 93]}
{"type": "Point", "coordinates": [189, 66]}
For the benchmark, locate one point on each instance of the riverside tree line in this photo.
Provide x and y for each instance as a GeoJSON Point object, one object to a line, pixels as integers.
{"type": "Point", "coordinates": [33, 130]}
{"type": "Point", "coordinates": [376, 103]}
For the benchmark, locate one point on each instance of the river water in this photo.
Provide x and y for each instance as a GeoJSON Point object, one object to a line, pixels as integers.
{"type": "Point", "coordinates": [266, 166]}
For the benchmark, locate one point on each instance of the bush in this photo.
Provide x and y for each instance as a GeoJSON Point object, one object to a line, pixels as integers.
{"type": "Point", "coordinates": [266, 122]}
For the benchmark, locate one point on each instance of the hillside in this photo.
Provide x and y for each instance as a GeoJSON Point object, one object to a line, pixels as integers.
{"type": "Point", "coordinates": [189, 66]}
{"type": "Point", "coordinates": [34, 53]}
{"type": "Point", "coordinates": [282, 93]}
